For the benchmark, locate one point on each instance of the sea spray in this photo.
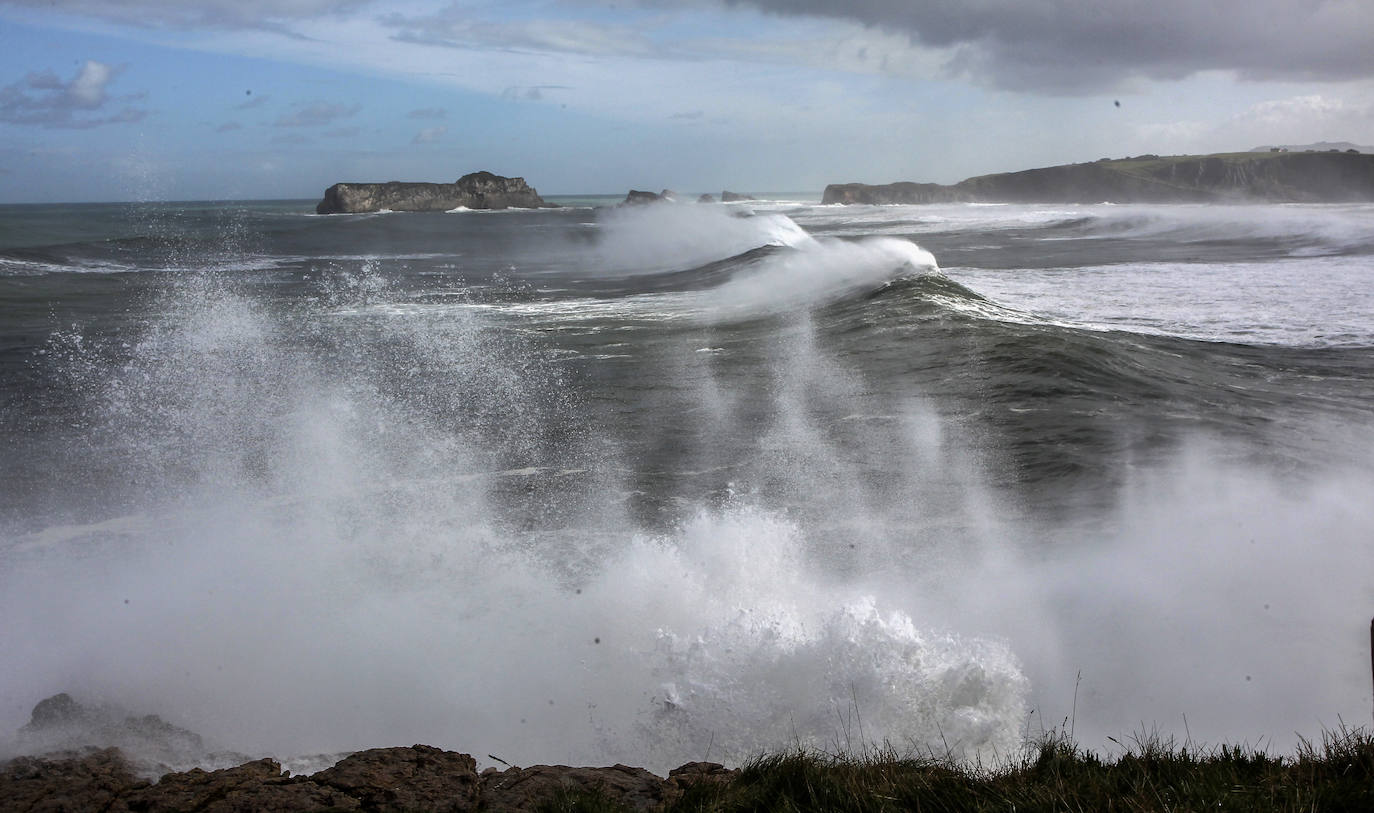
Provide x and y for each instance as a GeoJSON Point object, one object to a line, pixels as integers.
{"type": "Point", "coordinates": [660, 237]}
{"type": "Point", "coordinates": [324, 559]}
{"type": "Point", "coordinates": [805, 495]}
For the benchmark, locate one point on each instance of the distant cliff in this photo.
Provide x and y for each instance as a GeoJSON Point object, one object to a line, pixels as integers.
{"type": "Point", "coordinates": [1306, 177]}
{"type": "Point", "coordinates": [478, 190]}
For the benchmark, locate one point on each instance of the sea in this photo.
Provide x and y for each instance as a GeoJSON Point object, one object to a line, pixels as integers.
{"type": "Point", "coordinates": [653, 484]}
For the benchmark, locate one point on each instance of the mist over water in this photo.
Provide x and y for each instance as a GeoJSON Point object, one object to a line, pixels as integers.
{"type": "Point", "coordinates": [782, 491]}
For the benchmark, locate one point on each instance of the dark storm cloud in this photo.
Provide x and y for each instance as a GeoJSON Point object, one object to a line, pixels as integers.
{"type": "Point", "coordinates": [43, 99]}
{"type": "Point", "coordinates": [1081, 45]}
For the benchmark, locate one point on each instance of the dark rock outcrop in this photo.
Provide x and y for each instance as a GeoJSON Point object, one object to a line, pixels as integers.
{"type": "Point", "coordinates": [1231, 177]}
{"type": "Point", "coordinates": [415, 778]}
{"type": "Point", "coordinates": [699, 773]}
{"type": "Point", "coordinates": [519, 789]}
{"type": "Point", "coordinates": [707, 198]}
{"type": "Point", "coordinates": [95, 780]}
{"type": "Point", "coordinates": [254, 786]}
{"type": "Point", "coordinates": [60, 723]}
{"type": "Point", "coordinates": [733, 197]}
{"type": "Point", "coordinates": [477, 190]}
{"type": "Point", "coordinates": [900, 192]}
{"type": "Point", "coordinates": [638, 197]}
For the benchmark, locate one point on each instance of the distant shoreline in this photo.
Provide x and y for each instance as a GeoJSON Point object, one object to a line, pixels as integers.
{"type": "Point", "coordinates": [1269, 177]}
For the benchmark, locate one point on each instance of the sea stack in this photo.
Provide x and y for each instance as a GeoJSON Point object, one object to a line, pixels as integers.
{"type": "Point", "coordinates": [477, 190]}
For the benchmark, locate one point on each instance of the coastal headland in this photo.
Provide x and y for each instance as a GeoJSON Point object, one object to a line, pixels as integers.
{"type": "Point", "coordinates": [1274, 177]}
{"type": "Point", "coordinates": [476, 190]}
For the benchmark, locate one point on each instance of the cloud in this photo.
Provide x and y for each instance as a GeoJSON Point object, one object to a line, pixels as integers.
{"type": "Point", "coordinates": [1069, 46]}
{"type": "Point", "coordinates": [343, 132]}
{"type": "Point", "coordinates": [255, 101]}
{"type": "Point", "coordinates": [1292, 120]}
{"type": "Point", "coordinates": [201, 14]}
{"type": "Point", "coordinates": [455, 27]}
{"type": "Point", "coordinates": [688, 116]}
{"type": "Point", "coordinates": [428, 113]}
{"type": "Point", "coordinates": [533, 93]}
{"type": "Point", "coordinates": [43, 99]}
{"type": "Point", "coordinates": [228, 127]}
{"type": "Point", "coordinates": [1300, 119]}
{"type": "Point", "coordinates": [429, 135]}
{"type": "Point", "coordinates": [317, 114]}
{"type": "Point", "coordinates": [291, 139]}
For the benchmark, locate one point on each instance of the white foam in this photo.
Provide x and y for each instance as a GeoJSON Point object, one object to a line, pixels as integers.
{"type": "Point", "coordinates": [658, 237]}
{"type": "Point", "coordinates": [818, 271]}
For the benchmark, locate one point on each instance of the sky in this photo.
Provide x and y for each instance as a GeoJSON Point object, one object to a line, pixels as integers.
{"type": "Point", "coordinates": [104, 100]}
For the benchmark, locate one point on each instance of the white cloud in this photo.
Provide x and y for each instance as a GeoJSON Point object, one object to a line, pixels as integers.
{"type": "Point", "coordinates": [43, 99]}
{"type": "Point", "coordinates": [429, 135]}
{"type": "Point", "coordinates": [1301, 119]}
{"type": "Point", "coordinates": [1297, 119]}
{"type": "Point", "coordinates": [457, 27]}
{"type": "Point", "coordinates": [317, 114]}
{"type": "Point", "coordinates": [191, 14]}
{"type": "Point", "coordinates": [88, 88]}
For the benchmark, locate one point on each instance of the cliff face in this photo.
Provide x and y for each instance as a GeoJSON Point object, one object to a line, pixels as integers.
{"type": "Point", "coordinates": [1230, 177]}
{"type": "Point", "coordinates": [478, 190]}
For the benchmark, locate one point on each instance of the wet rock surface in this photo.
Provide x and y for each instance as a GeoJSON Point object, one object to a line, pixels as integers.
{"type": "Point", "coordinates": [519, 789]}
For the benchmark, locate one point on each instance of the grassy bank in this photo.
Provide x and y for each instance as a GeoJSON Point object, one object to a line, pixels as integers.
{"type": "Point", "coordinates": [1335, 774]}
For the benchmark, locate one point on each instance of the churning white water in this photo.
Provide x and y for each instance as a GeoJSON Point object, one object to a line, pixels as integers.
{"type": "Point", "coordinates": [343, 524]}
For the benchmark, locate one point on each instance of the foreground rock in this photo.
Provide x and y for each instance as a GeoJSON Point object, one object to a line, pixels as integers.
{"type": "Point", "coordinates": [1316, 177]}
{"type": "Point", "coordinates": [478, 190]}
{"type": "Point", "coordinates": [85, 774]}
{"type": "Point", "coordinates": [527, 788]}
{"type": "Point", "coordinates": [419, 778]}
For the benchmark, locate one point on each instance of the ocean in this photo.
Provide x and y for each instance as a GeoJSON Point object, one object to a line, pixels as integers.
{"type": "Point", "coordinates": [692, 481]}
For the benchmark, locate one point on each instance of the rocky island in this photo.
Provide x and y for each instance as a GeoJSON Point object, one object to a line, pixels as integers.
{"type": "Point", "coordinates": [1275, 177]}
{"type": "Point", "coordinates": [476, 190]}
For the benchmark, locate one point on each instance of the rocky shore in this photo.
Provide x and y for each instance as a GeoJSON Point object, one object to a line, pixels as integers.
{"type": "Point", "coordinates": [1288, 177]}
{"type": "Point", "coordinates": [88, 773]}
{"type": "Point", "coordinates": [1335, 773]}
{"type": "Point", "coordinates": [477, 190]}
{"type": "Point", "coordinates": [417, 778]}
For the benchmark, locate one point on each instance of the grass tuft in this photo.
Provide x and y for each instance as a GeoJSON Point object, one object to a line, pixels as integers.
{"type": "Point", "coordinates": [1056, 774]}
